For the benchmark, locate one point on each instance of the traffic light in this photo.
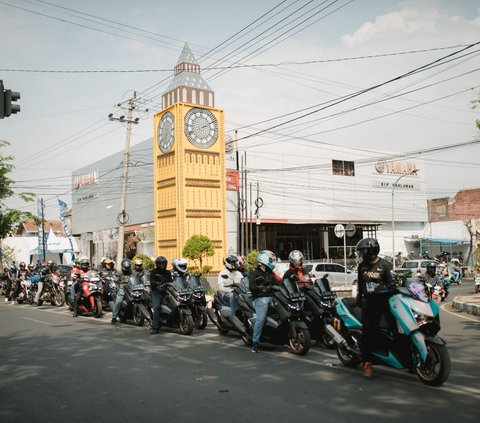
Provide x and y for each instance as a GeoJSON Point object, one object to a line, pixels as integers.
{"type": "Point", "coordinates": [11, 96]}
{"type": "Point", "coordinates": [2, 101]}
{"type": "Point", "coordinates": [7, 97]}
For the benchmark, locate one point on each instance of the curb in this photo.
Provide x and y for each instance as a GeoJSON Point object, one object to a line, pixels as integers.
{"type": "Point", "coordinates": [470, 308]}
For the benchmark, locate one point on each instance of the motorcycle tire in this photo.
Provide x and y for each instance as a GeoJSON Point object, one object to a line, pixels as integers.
{"type": "Point", "coordinates": [40, 302]}
{"type": "Point", "coordinates": [59, 300]}
{"type": "Point", "coordinates": [347, 357]}
{"type": "Point", "coordinates": [328, 341]}
{"type": "Point", "coordinates": [301, 344]}
{"type": "Point", "coordinates": [138, 317]}
{"type": "Point", "coordinates": [97, 312]}
{"type": "Point", "coordinates": [436, 369]}
{"type": "Point", "coordinates": [30, 299]}
{"type": "Point", "coordinates": [201, 320]}
{"type": "Point", "coordinates": [222, 330]}
{"type": "Point", "coordinates": [186, 324]}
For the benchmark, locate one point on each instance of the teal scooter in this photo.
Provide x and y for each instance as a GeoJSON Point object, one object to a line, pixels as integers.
{"type": "Point", "coordinates": [412, 343]}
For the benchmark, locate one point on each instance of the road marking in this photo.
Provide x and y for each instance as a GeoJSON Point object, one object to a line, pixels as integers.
{"type": "Point", "coordinates": [35, 320]}
{"type": "Point", "coordinates": [458, 315]}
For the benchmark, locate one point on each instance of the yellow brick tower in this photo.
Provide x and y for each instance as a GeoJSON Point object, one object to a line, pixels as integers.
{"type": "Point", "coordinates": [189, 165]}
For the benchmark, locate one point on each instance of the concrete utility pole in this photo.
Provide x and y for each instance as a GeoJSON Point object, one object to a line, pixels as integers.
{"type": "Point", "coordinates": [123, 218]}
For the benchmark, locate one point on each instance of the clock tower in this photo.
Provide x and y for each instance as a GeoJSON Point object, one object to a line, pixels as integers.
{"type": "Point", "coordinates": [189, 165]}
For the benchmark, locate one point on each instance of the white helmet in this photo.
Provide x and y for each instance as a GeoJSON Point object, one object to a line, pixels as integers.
{"type": "Point", "coordinates": [179, 265]}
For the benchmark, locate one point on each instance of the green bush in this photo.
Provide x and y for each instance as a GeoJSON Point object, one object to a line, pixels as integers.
{"type": "Point", "coordinates": [196, 248]}
{"type": "Point", "coordinates": [251, 260]}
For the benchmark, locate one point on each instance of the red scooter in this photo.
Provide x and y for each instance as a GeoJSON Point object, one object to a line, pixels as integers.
{"type": "Point", "coordinates": [91, 294]}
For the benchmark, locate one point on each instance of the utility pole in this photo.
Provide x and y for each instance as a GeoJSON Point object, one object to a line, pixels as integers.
{"type": "Point", "coordinates": [123, 218]}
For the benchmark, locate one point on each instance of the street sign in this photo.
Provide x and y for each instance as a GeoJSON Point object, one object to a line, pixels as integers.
{"type": "Point", "coordinates": [350, 229]}
{"type": "Point", "coordinates": [339, 231]}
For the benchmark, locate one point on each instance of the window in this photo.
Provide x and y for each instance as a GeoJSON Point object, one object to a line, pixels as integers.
{"type": "Point", "coordinates": [344, 168]}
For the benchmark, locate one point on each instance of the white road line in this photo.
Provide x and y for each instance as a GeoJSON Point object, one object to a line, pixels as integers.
{"type": "Point", "coordinates": [459, 315]}
{"type": "Point", "coordinates": [38, 321]}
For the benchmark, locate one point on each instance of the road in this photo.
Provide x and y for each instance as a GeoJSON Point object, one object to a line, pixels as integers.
{"type": "Point", "coordinates": [54, 368]}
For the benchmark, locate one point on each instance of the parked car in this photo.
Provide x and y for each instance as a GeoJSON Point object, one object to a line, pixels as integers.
{"type": "Point", "coordinates": [338, 275]}
{"type": "Point", "coordinates": [417, 267]}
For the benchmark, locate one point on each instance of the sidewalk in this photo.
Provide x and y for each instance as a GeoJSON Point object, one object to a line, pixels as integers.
{"type": "Point", "coordinates": [467, 303]}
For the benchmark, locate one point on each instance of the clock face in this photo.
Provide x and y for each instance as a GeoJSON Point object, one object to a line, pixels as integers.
{"type": "Point", "coordinates": [201, 127]}
{"type": "Point", "coordinates": [166, 132]}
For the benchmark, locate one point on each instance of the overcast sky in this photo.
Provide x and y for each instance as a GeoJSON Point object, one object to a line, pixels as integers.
{"type": "Point", "coordinates": [63, 123]}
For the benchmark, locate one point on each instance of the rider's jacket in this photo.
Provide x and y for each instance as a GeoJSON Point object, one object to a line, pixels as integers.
{"type": "Point", "coordinates": [261, 283]}
{"type": "Point", "coordinates": [376, 278]}
{"type": "Point", "coordinates": [226, 277]}
{"type": "Point", "coordinates": [158, 279]}
{"type": "Point", "coordinates": [299, 275]}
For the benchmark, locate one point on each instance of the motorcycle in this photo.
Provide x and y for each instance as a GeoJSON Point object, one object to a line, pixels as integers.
{"type": "Point", "coordinates": [135, 302]}
{"type": "Point", "coordinates": [24, 292]}
{"type": "Point", "coordinates": [91, 295]}
{"type": "Point", "coordinates": [319, 310]}
{"type": "Point", "coordinates": [412, 344]}
{"type": "Point", "coordinates": [198, 302]}
{"type": "Point", "coordinates": [175, 310]}
{"type": "Point", "coordinates": [285, 320]}
{"type": "Point", "coordinates": [109, 291]}
{"type": "Point", "coordinates": [221, 315]}
{"type": "Point", "coordinates": [52, 292]}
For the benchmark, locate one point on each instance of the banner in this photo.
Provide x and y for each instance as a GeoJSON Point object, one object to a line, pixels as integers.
{"type": "Point", "coordinates": [41, 235]}
{"type": "Point", "coordinates": [63, 209]}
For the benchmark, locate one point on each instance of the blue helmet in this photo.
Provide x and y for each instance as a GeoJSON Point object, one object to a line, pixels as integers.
{"type": "Point", "coordinates": [267, 258]}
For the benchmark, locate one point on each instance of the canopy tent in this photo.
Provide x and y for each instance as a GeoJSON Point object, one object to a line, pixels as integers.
{"type": "Point", "coordinates": [55, 245]}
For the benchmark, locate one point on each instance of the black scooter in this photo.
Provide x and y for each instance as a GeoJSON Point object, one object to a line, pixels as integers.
{"type": "Point", "coordinates": [135, 303]}
{"type": "Point", "coordinates": [285, 322]}
{"type": "Point", "coordinates": [198, 302]}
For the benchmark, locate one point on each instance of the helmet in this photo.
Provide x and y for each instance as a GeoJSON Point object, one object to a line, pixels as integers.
{"type": "Point", "coordinates": [30, 266]}
{"type": "Point", "coordinates": [126, 266]}
{"type": "Point", "coordinates": [22, 265]}
{"type": "Point", "coordinates": [431, 269]}
{"type": "Point", "coordinates": [267, 258]}
{"type": "Point", "coordinates": [296, 259]}
{"type": "Point", "coordinates": [51, 265]}
{"type": "Point", "coordinates": [231, 262]}
{"type": "Point", "coordinates": [180, 265]}
{"type": "Point", "coordinates": [108, 264]}
{"type": "Point", "coordinates": [84, 264]}
{"type": "Point", "coordinates": [367, 249]}
{"type": "Point", "coordinates": [138, 264]}
{"type": "Point", "coordinates": [161, 262]}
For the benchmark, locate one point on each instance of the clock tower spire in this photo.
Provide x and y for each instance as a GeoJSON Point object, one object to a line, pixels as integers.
{"type": "Point", "coordinates": [188, 85]}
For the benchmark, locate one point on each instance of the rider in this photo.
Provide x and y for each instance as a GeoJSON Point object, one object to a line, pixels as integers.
{"type": "Point", "coordinates": [84, 267]}
{"type": "Point", "coordinates": [431, 278]}
{"type": "Point", "coordinates": [376, 285]}
{"type": "Point", "coordinates": [296, 272]}
{"type": "Point", "coordinates": [138, 269]}
{"type": "Point", "coordinates": [227, 277]}
{"type": "Point", "coordinates": [108, 267]}
{"type": "Point", "coordinates": [159, 277]}
{"type": "Point", "coordinates": [45, 272]}
{"type": "Point", "coordinates": [22, 274]}
{"type": "Point", "coordinates": [126, 271]}
{"type": "Point", "coordinates": [262, 280]}
{"type": "Point", "coordinates": [179, 267]}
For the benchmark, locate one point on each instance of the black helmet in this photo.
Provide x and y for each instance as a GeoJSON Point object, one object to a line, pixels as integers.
{"type": "Point", "coordinates": [296, 259]}
{"type": "Point", "coordinates": [432, 268]}
{"type": "Point", "coordinates": [231, 262]}
{"type": "Point", "coordinates": [367, 249]}
{"type": "Point", "coordinates": [51, 265]}
{"type": "Point", "coordinates": [126, 266]}
{"type": "Point", "coordinates": [84, 264]}
{"type": "Point", "coordinates": [161, 262]}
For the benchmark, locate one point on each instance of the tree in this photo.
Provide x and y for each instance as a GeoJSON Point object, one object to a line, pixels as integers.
{"type": "Point", "coordinates": [196, 248]}
{"type": "Point", "coordinates": [11, 219]}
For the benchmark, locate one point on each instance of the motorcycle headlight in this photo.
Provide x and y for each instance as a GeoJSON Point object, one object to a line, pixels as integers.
{"type": "Point", "coordinates": [421, 319]}
{"type": "Point", "coordinates": [294, 306]}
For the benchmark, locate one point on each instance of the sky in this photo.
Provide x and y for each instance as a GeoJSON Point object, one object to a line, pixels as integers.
{"type": "Point", "coordinates": [74, 62]}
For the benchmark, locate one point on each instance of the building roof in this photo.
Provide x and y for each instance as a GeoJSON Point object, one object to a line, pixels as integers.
{"type": "Point", "coordinates": [31, 227]}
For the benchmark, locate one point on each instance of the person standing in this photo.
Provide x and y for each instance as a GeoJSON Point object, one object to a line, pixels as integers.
{"type": "Point", "coordinates": [159, 278]}
{"type": "Point", "coordinates": [376, 285]}
{"type": "Point", "coordinates": [262, 280]}
{"type": "Point", "coordinates": [126, 271]}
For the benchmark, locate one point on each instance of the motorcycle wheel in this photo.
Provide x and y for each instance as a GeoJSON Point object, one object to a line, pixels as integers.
{"type": "Point", "coordinates": [222, 330]}
{"type": "Point", "coordinates": [98, 307]}
{"type": "Point", "coordinates": [436, 369]}
{"type": "Point", "coordinates": [301, 344]}
{"type": "Point", "coordinates": [40, 302]}
{"type": "Point", "coordinates": [201, 321]}
{"type": "Point", "coordinates": [347, 357]}
{"type": "Point", "coordinates": [328, 341]}
{"type": "Point", "coordinates": [186, 324]}
{"type": "Point", "coordinates": [59, 300]}
{"type": "Point", "coordinates": [30, 299]}
{"type": "Point", "coordinates": [138, 317]}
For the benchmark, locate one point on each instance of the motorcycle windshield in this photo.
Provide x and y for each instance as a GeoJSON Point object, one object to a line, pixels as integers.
{"type": "Point", "coordinates": [244, 284]}
{"type": "Point", "coordinates": [417, 290]}
{"type": "Point", "coordinates": [180, 284]}
{"type": "Point", "coordinates": [135, 281]}
{"type": "Point", "coordinates": [290, 289]}
{"type": "Point", "coordinates": [146, 279]}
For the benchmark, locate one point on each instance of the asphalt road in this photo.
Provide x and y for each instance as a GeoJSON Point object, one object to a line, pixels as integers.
{"type": "Point", "coordinates": [54, 368]}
